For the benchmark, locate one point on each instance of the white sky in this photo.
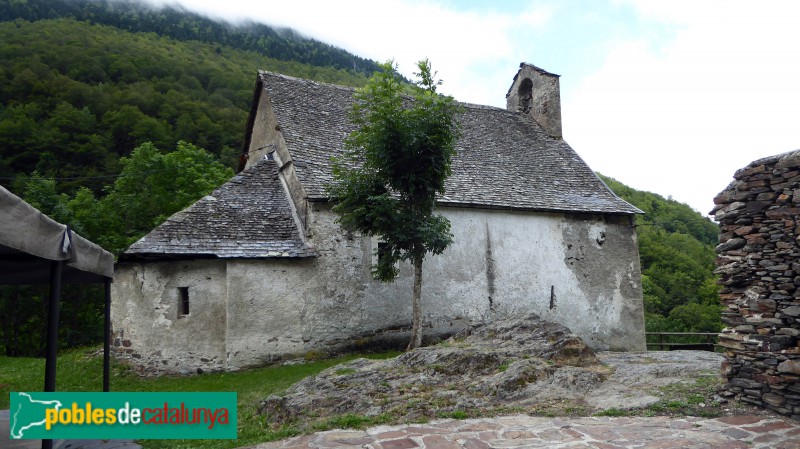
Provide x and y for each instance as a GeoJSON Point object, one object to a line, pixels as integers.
{"type": "Point", "coordinates": [668, 96]}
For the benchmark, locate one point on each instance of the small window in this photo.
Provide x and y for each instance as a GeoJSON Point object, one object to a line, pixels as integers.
{"type": "Point", "coordinates": [380, 249]}
{"type": "Point", "coordinates": [383, 250]}
{"type": "Point", "coordinates": [183, 305]}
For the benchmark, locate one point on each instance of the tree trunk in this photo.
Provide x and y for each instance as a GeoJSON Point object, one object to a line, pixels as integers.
{"type": "Point", "coordinates": [416, 328]}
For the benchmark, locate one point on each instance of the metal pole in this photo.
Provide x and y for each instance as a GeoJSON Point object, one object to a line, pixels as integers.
{"type": "Point", "coordinates": [52, 333]}
{"type": "Point", "coordinates": [52, 326]}
{"type": "Point", "coordinates": [107, 335]}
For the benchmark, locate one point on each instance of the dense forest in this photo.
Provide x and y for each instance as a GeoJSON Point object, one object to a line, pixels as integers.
{"type": "Point", "coordinates": [175, 22]}
{"type": "Point", "coordinates": [113, 117]}
{"type": "Point", "coordinates": [75, 97]}
{"type": "Point", "coordinates": [112, 131]}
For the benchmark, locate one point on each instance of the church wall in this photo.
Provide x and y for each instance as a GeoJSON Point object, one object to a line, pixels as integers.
{"type": "Point", "coordinates": [268, 311]}
{"type": "Point", "coordinates": [581, 271]}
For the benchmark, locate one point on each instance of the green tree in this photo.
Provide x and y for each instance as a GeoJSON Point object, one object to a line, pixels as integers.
{"type": "Point", "coordinates": [152, 186]}
{"type": "Point", "coordinates": [394, 164]}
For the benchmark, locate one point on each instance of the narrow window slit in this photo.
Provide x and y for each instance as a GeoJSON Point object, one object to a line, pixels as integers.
{"type": "Point", "coordinates": [183, 306]}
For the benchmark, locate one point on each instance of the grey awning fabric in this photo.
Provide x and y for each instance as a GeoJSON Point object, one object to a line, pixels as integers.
{"type": "Point", "coordinates": [30, 240]}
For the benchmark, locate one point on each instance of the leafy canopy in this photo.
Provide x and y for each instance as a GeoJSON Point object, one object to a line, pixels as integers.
{"type": "Point", "coordinates": [152, 185]}
{"type": "Point", "coordinates": [395, 164]}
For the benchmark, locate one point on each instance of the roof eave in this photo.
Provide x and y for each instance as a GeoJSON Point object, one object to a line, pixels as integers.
{"type": "Point", "coordinates": [635, 211]}
{"type": "Point", "coordinates": [164, 257]}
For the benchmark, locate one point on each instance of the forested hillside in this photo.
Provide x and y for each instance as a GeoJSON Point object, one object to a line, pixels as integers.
{"type": "Point", "coordinates": [175, 22]}
{"type": "Point", "coordinates": [112, 131]}
{"type": "Point", "coordinates": [676, 249]}
{"type": "Point", "coordinates": [74, 97]}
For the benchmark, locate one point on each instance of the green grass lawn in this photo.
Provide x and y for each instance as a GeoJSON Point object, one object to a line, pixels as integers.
{"type": "Point", "coordinates": [82, 370]}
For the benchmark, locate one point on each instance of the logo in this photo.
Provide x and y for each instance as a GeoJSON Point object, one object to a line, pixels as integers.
{"type": "Point", "coordinates": [122, 415]}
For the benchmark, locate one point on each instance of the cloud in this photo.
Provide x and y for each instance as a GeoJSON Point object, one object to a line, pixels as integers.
{"type": "Point", "coordinates": [460, 43]}
{"type": "Point", "coordinates": [682, 117]}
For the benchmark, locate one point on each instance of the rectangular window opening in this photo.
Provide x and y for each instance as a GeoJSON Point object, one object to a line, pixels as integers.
{"type": "Point", "coordinates": [183, 306]}
{"type": "Point", "coordinates": [383, 250]}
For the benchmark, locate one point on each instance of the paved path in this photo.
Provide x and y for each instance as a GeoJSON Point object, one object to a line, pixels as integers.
{"type": "Point", "coordinates": [733, 432]}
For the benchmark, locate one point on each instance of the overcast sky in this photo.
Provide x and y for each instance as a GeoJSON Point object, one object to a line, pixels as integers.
{"type": "Point", "coordinates": [667, 96]}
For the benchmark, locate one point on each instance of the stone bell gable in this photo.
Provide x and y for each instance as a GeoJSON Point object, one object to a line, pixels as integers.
{"type": "Point", "coordinates": [536, 93]}
{"type": "Point", "coordinates": [260, 270]}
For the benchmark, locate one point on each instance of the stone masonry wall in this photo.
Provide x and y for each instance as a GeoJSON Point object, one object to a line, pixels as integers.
{"type": "Point", "coordinates": [759, 267]}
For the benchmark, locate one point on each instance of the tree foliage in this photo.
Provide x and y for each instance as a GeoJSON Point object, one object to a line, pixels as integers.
{"type": "Point", "coordinates": [104, 108]}
{"type": "Point", "coordinates": [394, 165]}
{"type": "Point", "coordinates": [676, 250]}
{"type": "Point", "coordinates": [151, 186]}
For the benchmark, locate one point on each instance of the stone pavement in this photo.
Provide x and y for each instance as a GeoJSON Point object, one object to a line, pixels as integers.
{"type": "Point", "coordinates": [732, 432]}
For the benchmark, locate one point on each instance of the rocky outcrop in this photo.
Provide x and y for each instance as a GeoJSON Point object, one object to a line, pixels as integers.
{"type": "Point", "coordinates": [499, 363]}
{"type": "Point", "coordinates": [759, 268]}
{"type": "Point", "coordinates": [503, 366]}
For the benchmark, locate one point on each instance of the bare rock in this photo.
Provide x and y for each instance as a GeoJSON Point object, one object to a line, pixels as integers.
{"type": "Point", "coordinates": [501, 363]}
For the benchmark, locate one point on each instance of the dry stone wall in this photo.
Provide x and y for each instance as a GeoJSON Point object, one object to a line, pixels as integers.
{"type": "Point", "coordinates": [759, 267]}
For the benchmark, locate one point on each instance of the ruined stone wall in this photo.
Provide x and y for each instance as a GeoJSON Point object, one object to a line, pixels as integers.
{"type": "Point", "coordinates": [759, 268]}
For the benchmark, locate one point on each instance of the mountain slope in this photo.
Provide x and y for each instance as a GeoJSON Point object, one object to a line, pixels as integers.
{"type": "Point", "coordinates": [74, 97]}
{"type": "Point", "coordinates": [175, 22]}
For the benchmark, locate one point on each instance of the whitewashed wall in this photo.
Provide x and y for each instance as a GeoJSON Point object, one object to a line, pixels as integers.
{"type": "Point", "coordinates": [582, 272]}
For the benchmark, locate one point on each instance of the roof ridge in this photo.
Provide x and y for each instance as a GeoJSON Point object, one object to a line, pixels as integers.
{"type": "Point", "coordinates": [262, 73]}
{"type": "Point", "coordinates": [353, 89]}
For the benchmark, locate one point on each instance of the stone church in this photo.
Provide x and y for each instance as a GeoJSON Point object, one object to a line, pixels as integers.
{"type": "Point", "coordinates": [259, 270]}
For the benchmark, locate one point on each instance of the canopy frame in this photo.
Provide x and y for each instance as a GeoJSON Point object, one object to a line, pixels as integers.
{"type": "Point", "coordinates": [37, 250]}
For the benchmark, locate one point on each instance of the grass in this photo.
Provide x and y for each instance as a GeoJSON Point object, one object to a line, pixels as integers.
{"type": "Point", "coordinates": [613, 412]}
{"type": "Point", "coordinates": [679, 399]}
{"type": "Point", "coordinates": [82, 370]}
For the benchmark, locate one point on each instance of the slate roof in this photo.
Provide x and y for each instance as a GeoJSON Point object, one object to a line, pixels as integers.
{"type": "Point", "coordinates": [247, 217]}
{"type": "Point", "coordinates": [504, 160]}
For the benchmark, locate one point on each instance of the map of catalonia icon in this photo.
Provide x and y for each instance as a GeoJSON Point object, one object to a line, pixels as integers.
{"type": "Point", "coordinates": [27, 413]}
